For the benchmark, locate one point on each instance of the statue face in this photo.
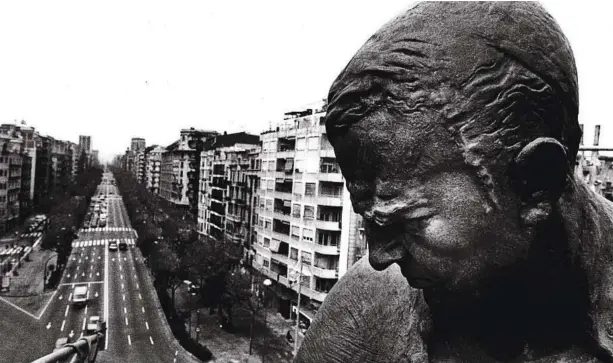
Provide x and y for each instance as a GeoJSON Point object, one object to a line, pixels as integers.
{"type": "Point", "coordinates": [425, 209]}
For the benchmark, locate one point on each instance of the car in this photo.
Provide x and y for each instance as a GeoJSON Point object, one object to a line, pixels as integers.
{"type": "Point", "coordinates": [59, 344]}
{"type": "Point", "coordinates": [93, 324]}
{"type": "Point", "coordinates": [79, 297]}
{"type": "Point", "coordinates": [102, 223]}
{"type": "Point", "coordinates": [123, 246]}
{"type": "Point", "coordinates": [113, 246]}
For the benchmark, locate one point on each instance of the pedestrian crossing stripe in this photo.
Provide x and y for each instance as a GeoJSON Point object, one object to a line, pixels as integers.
{"type": "Point", "coordinates": [105, 229]}
{"type": "Point", "coordinates": [102, 242]}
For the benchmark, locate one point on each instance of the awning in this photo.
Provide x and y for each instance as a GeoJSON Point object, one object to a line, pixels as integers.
{"type": "Point", "coordinates": [289, 165]}
{"type": "Point", "coordinates": [274, 245]}
{"type": "Point", "coordinates": [279, 180]}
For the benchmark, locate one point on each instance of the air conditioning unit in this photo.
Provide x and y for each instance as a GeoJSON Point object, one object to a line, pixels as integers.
{"type": "Point", "coordinates": [297, 170]}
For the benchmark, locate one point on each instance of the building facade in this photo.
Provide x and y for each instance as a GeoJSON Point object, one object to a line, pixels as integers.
{"type": "Point", "coordinates": [153, 165]}
{"type": "Point", "coordinates": [11, 159]}
{"type": "Point", "coordinates": [228, 182]}
{"type": "Point", "coordinates": [307, 231]}
{"type": "Point", "coordinates": [179, 179]}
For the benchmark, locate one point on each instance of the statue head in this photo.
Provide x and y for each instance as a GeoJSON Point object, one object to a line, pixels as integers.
{"type": "Point", "coordinates": [455, 127]}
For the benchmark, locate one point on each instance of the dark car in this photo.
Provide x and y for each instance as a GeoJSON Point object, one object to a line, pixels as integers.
{"type": "Point", "coordinates": [123, 246]}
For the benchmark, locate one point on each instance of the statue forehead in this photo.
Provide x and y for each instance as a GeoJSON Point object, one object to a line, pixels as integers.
{"type": "Point", "coordinates": [437, 42]}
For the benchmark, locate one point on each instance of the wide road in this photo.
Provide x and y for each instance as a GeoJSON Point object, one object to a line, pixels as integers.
{"type": "Point", "coordinates": [120, 290]}
{"type": "Point", "coordinates": [138, 331]}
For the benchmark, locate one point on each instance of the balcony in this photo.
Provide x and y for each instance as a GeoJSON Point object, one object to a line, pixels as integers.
{"type": "Point", "coordinates": [330, 177]}
{"type": "Point", "coordinates": [234, 218]}
{"type": "Point", "coordinates": [312, 294]}
{"type": "Point", "coordinates": [328, 225]}
{"type": "Point", "coordinates": [326, 250]}
{"type": "Point", "coordinates": [285, 154]}
{"type": "Point", "coordinates": [281, 236]}
{"type": "Point", "coordinates": [324, 273]}
{"type": "Point", "coordinates": [327, 153]}
{"type": "Point", "coordinates": [284, 216]}
{"type": "Point", "coordinates": [330, 200]}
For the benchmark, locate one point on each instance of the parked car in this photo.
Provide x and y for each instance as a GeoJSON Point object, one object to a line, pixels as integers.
{"type": "Point", "coordinates": [93, 324]}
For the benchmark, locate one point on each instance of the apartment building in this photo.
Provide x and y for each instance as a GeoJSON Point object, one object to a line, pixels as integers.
{"type": "Point", "coordinates": [139, 166]}
{"type": "Point", "coordinates": [228, 181]}
{"type": "Point", "coordinates": [11, 160]}
{"type": "Point", "coordinates": [153, 164]}
{"type": "Point", "coordinates": [61, 165]}
{"type": "Point", "coordinates": [28, 135]}
{"type": "Point", "coordinates": [43, 172]}
{"type": "Point", "coordinates": [179, 178]}
{"type": "Point", "coordinates": [306, 228]}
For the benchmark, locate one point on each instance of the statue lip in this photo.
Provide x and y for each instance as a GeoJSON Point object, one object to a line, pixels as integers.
{"type": "Point", "coordinates": [416, 276]}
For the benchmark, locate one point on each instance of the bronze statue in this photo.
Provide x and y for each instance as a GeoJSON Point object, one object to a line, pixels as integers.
{"type": "Point", "coordinates": [456, 129]}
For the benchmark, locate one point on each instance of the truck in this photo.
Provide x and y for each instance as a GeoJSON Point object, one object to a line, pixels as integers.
{"type": "Point", "coordinates": [79, 296]}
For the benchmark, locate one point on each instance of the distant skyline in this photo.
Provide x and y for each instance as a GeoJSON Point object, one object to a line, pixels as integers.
{"type": "Point", "coordinates": [121, 69]}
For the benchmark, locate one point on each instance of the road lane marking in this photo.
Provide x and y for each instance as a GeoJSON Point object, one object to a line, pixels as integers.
{"type": "Point", "coordinates": [126, 321]}
{"type": "Point", "coordinates": [147, 325]}
{"type": "Point", "coordinates": [63, 323]}
{"type": "Point", "coordinates": [143, 309]}
{"type": "Point", "coordinates": [66, 313]}
{"type": "Point", "coordinates": [151, 339]}
{"type": "Point", "coordinates": [106, 297]}
{"type": "Point", "coordinates": [176, 352]}
{"type": "Point", "coordinates": [48, 325]}
{"type": "Point", "coordinates": [125, 311]}
{"type": "Point", "coordinates": [85, 309]}
{"type": "Point", "coordinates": [60, 298]}
{"type": "Point", "coordinates": [139, 296]}
{"type": "Point", "coordinates": [84, 319]}
{"type": "Point", "coordinates": [129, 340]}
{"type": "Point", "coordinates": [122, 285]}
{"type": "Point", "coordinates": [70, 297]}
{"type": "Point", "coordinates": [137, 286]}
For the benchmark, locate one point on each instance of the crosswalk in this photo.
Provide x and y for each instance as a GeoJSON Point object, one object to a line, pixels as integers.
{"type": "Point", "coordinates": [31, 235]}
{"type": "Point", "coordinates": [105, 229]}
{"type": "Point", "coordinates": [9, 251]}
{"type": "Point", "coordinates": [102, 242]}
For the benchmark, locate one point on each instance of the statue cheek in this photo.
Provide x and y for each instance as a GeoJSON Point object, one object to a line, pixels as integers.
{"type": "Point", "coordinates": [442, 234]}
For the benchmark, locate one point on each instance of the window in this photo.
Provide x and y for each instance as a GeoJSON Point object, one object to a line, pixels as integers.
{"type": "Point", "coordinates": [262, 203]}
{"type": "Point", "coordinates": [270, 185]}
{"type": "Point", "coordinates": [266, 263]}
{"type": "Point", "coordinates": [307, 257]}
{"type": "Point", "coordinates": [300, 144]}
{"type": "Point", "coordinates": [309, 212]}
{"type": "Point", "coordinates": [309, 189]}
{"type": "Point", "coordinates": [307, 235]}
{"type": "Point", "coordinates": [294, 254]}
{"type": "Point", "coordinates": [268, 224]}
{"type": "Point", "coordinates": [261, 224]}
{"type": "Point", "coordinates": [296, 210]}
{"type": "Point", "coordinates": [266, 242]}
{"type": "Point", "coordinates": [298, 188]}
{"type": "Point", "coordinates": [313, 143]}
{"type": "Point", "coordinates": [296, 232]}
{"type": "Point", "coordinates": [269, 204]}
{"type": "Point", "coordinates": [299, 166]}
{"type": "Point", "coordinates": [596, 135]}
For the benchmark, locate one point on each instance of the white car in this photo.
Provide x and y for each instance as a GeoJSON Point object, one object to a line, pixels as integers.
{"type": "Point", "coordinates": [113, 246]}
{"type": "Point", "coordinates": [93, 324]}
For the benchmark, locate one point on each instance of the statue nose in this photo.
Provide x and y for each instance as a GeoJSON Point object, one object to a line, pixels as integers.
{"type": "Point", "coordinates": [381, 255]}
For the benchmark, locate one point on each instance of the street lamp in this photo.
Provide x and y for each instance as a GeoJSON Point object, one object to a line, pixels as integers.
{"type": "Point", "coordinates": [266, 283]}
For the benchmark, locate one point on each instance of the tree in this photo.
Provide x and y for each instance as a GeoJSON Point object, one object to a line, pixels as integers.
{"type": "Point", "coordinates": [167, 269]}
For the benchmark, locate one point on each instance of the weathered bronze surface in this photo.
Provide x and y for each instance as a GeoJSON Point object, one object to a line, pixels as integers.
{"type": "Point", "coordinates": [456, 129]}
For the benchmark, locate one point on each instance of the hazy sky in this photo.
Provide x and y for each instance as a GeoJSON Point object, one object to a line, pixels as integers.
{"type": "Point", "coordinates": [120, 69]}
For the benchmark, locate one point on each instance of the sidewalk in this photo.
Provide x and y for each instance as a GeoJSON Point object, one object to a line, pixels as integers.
{"type": "Point", "coordinates": [269, 342]}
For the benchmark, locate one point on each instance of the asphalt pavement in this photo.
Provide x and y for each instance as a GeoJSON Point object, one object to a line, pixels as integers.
{"type": "Point", "coordinates": [120, 290]}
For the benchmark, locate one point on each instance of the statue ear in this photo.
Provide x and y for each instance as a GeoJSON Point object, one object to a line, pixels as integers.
{"type": "Point", "coordinates": [541, 168]}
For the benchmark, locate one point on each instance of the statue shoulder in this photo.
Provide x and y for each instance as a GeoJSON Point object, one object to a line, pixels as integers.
{"type": "Point", "coordinates": [367, 314]}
